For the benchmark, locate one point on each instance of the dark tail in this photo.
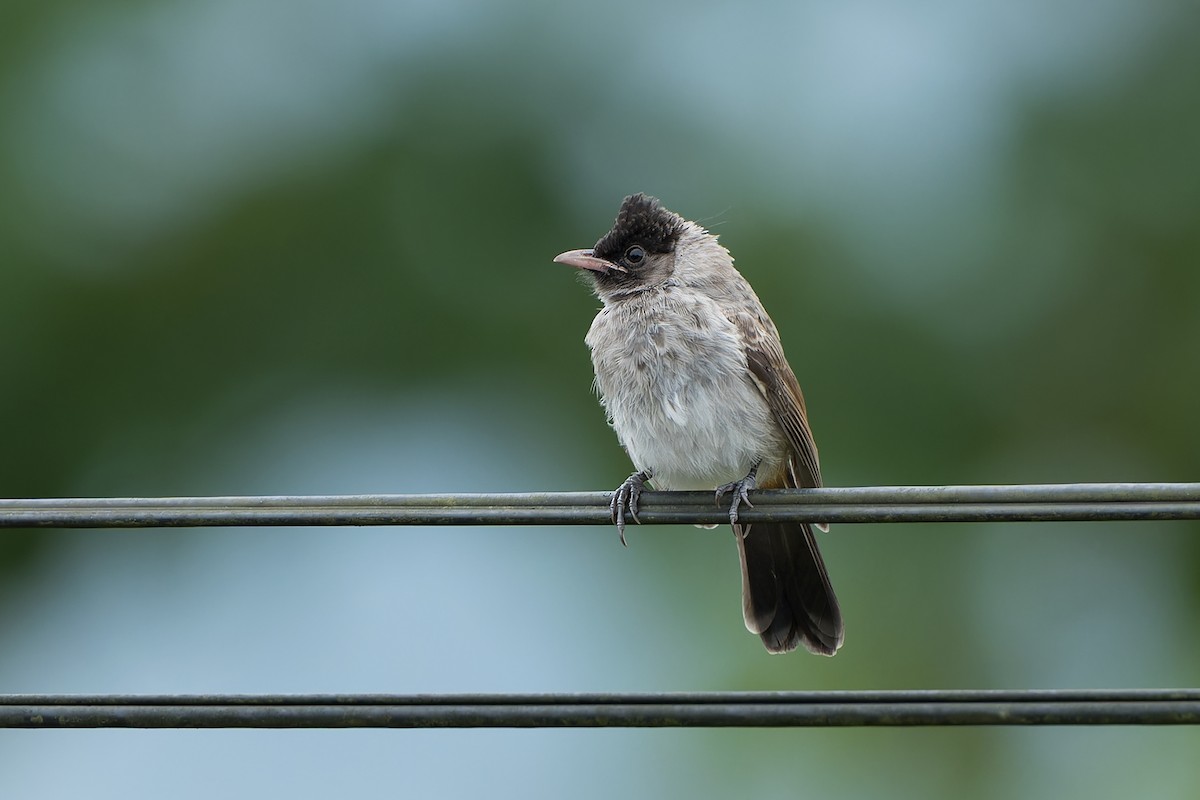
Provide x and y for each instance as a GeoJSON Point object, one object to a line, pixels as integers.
{"type": "Point", "coordinates": [786, 595]}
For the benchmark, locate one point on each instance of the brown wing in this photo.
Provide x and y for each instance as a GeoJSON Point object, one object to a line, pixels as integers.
{"type": "Point", "coordinates": [778, 384]}
{"type": "Point", "coordinates": [787, 598]}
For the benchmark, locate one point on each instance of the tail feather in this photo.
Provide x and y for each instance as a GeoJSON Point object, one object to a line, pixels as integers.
{"type": "Point", "coordinates": [787, 598]}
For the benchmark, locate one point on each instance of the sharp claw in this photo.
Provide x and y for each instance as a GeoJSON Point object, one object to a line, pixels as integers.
{"type": "Point", "coordinates": [616, 509]}
{"type": "Point", "coordinates": [745, 497]}
{"type": "Point", "coordinates": [626, 497]}
{"type": "Point", "coordinates": [741, 493]}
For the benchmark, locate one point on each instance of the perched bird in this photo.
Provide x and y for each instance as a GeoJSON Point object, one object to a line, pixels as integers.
{"type": "Point", "coordinates": [692, 374]}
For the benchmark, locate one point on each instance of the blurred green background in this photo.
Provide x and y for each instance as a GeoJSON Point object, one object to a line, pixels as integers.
{"type": "Point", "coordinates": [252, 246]}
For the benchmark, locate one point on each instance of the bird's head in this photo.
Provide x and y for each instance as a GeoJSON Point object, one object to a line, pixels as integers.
{"type": "Point", "coordinates": [642, 250]}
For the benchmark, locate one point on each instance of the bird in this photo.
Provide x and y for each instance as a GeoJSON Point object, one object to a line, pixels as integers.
{"type": "Point", "coordinates": [692, 376]}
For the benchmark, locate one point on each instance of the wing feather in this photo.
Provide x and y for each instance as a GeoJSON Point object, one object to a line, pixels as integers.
{"type": "Point", "coordinates": [781, 390]}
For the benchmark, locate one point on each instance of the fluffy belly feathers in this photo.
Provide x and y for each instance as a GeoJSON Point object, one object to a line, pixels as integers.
{"type": "Point", "coordinates": [680, 397]}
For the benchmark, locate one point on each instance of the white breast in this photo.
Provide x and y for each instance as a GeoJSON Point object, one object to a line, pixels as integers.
{"type": "Point", "coordinates": [671, 372]}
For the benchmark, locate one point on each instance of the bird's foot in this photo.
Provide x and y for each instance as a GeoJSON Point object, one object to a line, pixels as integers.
{"type": "Point", "coordinates": [626, 497]}
{"type": "Point", "coordinates": [740, 491]}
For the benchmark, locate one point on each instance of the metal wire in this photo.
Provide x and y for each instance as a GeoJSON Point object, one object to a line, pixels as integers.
{"type": "Point", "coordinates": [751, 709]}
{"type": "Point", "coordinates": [1039, 502]}
{"type": "Point", "coordinates": [1111, 501]}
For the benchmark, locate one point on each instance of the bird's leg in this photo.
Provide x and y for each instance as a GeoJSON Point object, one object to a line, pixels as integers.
{"type": "Point", "coordinates": [740, 490]}
{"type": "Point", "coordinates": [627, 496]}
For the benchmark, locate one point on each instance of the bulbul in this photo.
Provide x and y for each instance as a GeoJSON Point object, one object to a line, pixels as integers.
{"type": "Point", "coordinates": [691, 372]}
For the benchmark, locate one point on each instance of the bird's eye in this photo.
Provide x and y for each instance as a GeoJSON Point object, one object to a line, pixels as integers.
{"type": "Point", "coordinates": [634, 256]}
